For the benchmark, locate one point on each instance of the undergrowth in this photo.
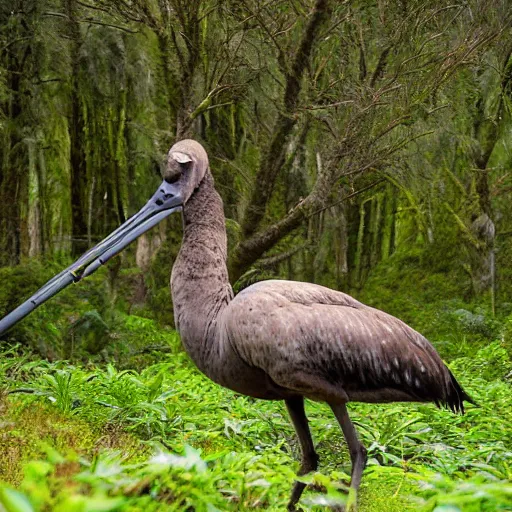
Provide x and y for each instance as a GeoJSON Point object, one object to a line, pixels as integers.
{"type": "Point", "coordinates": [98, 437]}
{"type": "Point", "coordinates": [116, 417]}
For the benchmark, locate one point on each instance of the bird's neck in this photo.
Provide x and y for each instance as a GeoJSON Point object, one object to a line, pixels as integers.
{"type": "Point", "coordinates": [199, 282]}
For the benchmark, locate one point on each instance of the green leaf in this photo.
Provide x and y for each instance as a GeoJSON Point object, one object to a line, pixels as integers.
{"type": "Point", "coordinates": [14, 501]}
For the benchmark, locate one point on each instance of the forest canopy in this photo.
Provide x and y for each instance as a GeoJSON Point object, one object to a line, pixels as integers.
{"type": "Point", "coordinates": [338, 132]}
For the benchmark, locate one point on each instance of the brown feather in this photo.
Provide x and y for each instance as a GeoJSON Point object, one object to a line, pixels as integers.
{"type": "Point", "coordinates": [293, 328]}
{"type": "Point", "coordinates": [290, 340]}
{"type": "Point", "coordinates": [277, 339]}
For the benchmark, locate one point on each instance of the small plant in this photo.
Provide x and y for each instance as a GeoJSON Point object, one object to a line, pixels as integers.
{"type": "Point", "coordinates": [444, 494]}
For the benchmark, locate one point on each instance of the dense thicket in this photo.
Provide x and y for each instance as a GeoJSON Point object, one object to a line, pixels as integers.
{"type": "Point", "coordinates": [338, 132]}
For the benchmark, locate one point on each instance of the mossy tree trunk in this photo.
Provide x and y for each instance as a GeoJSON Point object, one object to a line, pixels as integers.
{"type": "Point", "coordinates": [17, 61]}
{"type": "Point", "coordinates": [487, 129]}
{"type": "Point", "coordinates": [77, 136]}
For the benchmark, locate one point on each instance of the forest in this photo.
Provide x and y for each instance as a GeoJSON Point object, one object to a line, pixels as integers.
{"type": "Point", "coordinates": [361, 145]}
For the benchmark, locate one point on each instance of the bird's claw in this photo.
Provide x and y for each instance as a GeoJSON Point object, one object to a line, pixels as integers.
{"type": "Point", "coordinates": [351, 505]}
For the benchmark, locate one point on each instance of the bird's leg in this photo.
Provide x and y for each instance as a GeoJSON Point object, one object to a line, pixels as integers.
{"type": "Point", "coordinates": [356, 449]}
{"type": "Point", "coordinates": [309, 463]}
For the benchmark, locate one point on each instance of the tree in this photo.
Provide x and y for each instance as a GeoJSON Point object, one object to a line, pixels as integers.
{"type": "Point", "coordinates": [392, 70]}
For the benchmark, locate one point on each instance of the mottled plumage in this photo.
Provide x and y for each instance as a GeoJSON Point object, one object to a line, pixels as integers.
{"type": "Point", "coordinates": [292, 340]}
{"type": "Point", "coordinates": [312, 330]}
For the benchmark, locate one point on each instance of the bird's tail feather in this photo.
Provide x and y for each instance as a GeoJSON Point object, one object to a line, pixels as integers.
{"type": "Point", "coordinates": [456, 396]}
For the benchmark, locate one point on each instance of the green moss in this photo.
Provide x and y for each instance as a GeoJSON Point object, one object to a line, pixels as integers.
{"type": "Point", "coordinates": [29, 427]}
{"type": "Point", "coordinates": [387, 489]}
{"type": "Point", "coordinates": [32, 430]}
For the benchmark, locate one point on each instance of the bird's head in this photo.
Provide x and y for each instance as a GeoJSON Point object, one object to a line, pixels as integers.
{"type": "Point", "coordinates": [187, 164]}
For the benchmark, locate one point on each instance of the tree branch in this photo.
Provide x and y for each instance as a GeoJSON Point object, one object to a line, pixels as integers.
{"type": "Point", "coordinates": [274, 155]}
{"type": "Point", "coordinates": [273, 261]}
{"type": "Point", "coordinates": [253, 248]}
{"type": "Point", "coordinates": [91, 21]}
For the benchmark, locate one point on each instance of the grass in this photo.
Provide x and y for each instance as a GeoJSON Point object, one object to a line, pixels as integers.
{"type": "Point", "coordinates": [97, 437]}
{"type": "Point", "coordinates": [137, 427]}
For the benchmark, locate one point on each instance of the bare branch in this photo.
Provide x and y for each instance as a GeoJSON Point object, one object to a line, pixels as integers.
{"type": "Point", "coordinates": [94, 7]}
{"type": "Point", "coordinates": [90, 21]}
{"type": "Point", "coordinates": [273, 261]}
{"type": "Point", "coordinates": [110, 25]}
{"type": "Point", "coordinates": [274, 155]}
{"type": "Point", "coordinates": [347, 197]}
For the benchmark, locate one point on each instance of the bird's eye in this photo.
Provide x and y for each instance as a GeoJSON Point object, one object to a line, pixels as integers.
{"type": "Point", "coordinates": [172, 178]}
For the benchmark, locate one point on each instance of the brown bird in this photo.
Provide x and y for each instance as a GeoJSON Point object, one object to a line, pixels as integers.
{"type": "Point", "coordinates": [276, 340]}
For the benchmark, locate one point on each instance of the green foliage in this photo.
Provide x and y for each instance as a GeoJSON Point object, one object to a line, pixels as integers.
{"type": "Point", "coordinates": [46, 330]}
{"type": "Point", "coordinates": [87, 320]}
{"type": "Point", "coordinates": [491, 362]}
{"type": "Point", "coordinates": [419, 288]}
{"type": "Point", "coordinates": [211, 449]}
{"type": "Point", "coordinates": [444, 494]}
{"type": "Point", "coordinates": [507, 335]}
{"type": "Point", "coordinates": [125, 422]}
{"type": "Point", "coordinates": [89, 332]}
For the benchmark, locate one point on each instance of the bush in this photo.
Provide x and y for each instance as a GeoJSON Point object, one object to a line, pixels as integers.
{"type": "Point", "coordinates": [46, 328]}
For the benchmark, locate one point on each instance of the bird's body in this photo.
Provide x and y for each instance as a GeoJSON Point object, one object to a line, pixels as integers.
{"type": "Point", "coordinates": [286, 340]}
{"type": "Point", "coordinates": [280, 340]}
{"type": "Point", "coordinates": [277, 339]}
{"type": "Point", "coordinates": [327, 346]}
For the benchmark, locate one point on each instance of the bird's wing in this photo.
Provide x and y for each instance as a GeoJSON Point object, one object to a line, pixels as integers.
{"type": "Point", "coordinates": [289, 328]}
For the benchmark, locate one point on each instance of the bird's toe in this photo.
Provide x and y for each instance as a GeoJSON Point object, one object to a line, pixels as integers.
{"type": "Point", "coordinates": [351, 505]}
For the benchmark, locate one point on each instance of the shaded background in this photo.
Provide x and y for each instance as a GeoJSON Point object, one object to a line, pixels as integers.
{"type": "Point", "coordinates": [361, 145]}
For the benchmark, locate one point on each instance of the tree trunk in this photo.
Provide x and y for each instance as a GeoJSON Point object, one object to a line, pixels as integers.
{"type": "Point", "coordinates": [76, 128]}
{"type": "Point", "coordinates": [273, 155]}
{"type": "Point", "coordinates": [481, 256]}
{"type": "Point", "coordinates": [14, 180]}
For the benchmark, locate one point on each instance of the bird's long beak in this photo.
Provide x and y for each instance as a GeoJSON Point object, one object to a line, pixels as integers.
{"type": "Point", "coordinates": [166, 200]}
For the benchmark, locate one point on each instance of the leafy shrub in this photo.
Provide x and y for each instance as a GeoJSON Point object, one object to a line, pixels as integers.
{"type": "Point", "coordinates": [490, 362]}
{"type": "Point", "coordinates": [165, 481]}
{"type": "Point", "coordinates": [444, 494]}
{"type": "Point", "coordinates": [246, 451]}
{"type": "Point", "coordinates": [476, 323]}
{"type": "Point", "coordinates": [45, 329]}
{"type": "Point", "coordinates": [89, 333]}
{"type": "Point", "coordinates": [507, 335]}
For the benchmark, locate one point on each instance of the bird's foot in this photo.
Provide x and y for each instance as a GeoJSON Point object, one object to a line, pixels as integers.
{"type": "Point", "coordinates": [294, 507]}
{"type": "Point", "coordinates": [351, 505]}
